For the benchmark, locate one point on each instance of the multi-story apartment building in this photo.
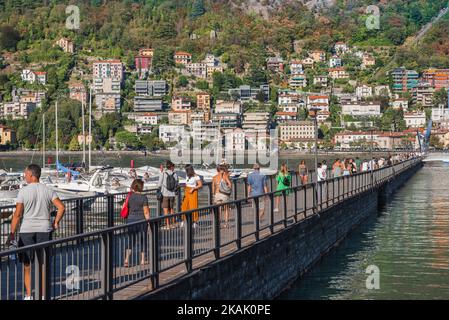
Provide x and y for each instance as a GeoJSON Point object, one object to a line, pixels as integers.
{"type": "Point", "coordinates": [415, 119]}
{"type": "Point", "coordinates": [361, 109]}
{"type": "Point", "coordinates": [256, 121]}
{"type": "Point", "coordinates": [296, 130]}
{"type": "Point", "coordinates": [181, 104]}
{"type": "Point", "coordinates": [183, 117]}
{"type": "Point", "coordinates": [318, 101]}
{"type": "Point", "coordinates": [283, 116]}
{"type": "Point", "coordinates": [171, 133]}
{"type": "Point", "coordinates": [338, 73]}
{"type": "Point", "coordinates": [106, 85]}
{"type": "Point", "coordinates": [404, 80]}
{"type": "Point", "coordinates": [296, 67]}
{"type": "Point", "coordinates": [226, 120]}
{"type": "Point", "coordinates": [297, 81]}
{"type": "Point", "coordinates": [198, 69]}
{"type": "Point", "coordinates": [437, 78]}
{"type": "Point", "coordinates": [147, 104]}
{"type": "Point", "coordinates": [246, 93]}
{"type": "Point", "coordinates": [108, 102]}
{"type": "Point", "coordinates": [364, 91]}
{"type": "Point", "coordinates": [152, 88]}
{"type": "Point", "coordinates": [275, 64]}
{"type": "Point", "coordinates": [320, 80]}
{"type": "Point", "coordinates": [17, 110]}
{"type": "Point", "coordinates": [112, 69]}
{"type": "Point", "coordinates": [423, 94]}
{"type": "Point", "coordinates": [222, 106]}
{"type": "Point", "coordinates": [182, 57]}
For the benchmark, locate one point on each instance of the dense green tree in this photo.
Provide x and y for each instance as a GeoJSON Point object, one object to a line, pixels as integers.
{"type": "Point", "coordinates": [9, 37]}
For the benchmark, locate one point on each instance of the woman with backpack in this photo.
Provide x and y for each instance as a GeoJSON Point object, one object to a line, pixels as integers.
{"type": "Point", "coordinates": [222, 189]}
{"type": "Point", "coordinates": [190, 201]}
{"type": "Point", "coordinates": [284, 181]}
{"type": "Point", "coordinates": [138, 210]}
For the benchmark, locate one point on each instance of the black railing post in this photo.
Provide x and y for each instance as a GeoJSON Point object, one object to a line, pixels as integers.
{"type": "Point", "coordinates": [79, 216]}
{"type": "Point", "coordinates": [295, 190]}
{"type": "Point", "coordinates": [271, 212]}
{"type": "Point", "coordinates": [245, 184]}
{"type": "Point", "coordinates": [234, 182]}
{"type": "Point", "coordinates": [305, 201]}
{"type": "Point", "coordinates": [47, 273]}
{"type": "Point", "coordinates": [238, 225]}
{"type": "Point", "coordinates": [284, 196]}
{"type": "Point", "coordinates": [154, 254]}
{"type": "Point", "coordinates": [188, 242]}
{"type": "Point", "coordinates": [338, 183]}
{"type": "Point", "coordinates": [209, 194]}
{"type": "Point", "coordinates": [179, 200]}
{"type": "Point", "coordinates": [217, 220]}
{"type": "Point", "coordinates": [42, 274]}
{"type": "Point", "coordinates": [106, 265]}
{"type": "Point", "coordinates": [110, 203]}
{"type": "Point", "coordinates": [256, 217]}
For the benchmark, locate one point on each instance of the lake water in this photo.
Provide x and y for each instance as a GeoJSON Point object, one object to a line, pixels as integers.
{"type": "Point", "coordinates": [408, 242]}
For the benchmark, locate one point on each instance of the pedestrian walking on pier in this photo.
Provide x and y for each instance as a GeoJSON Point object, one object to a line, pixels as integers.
{"type": "Point", "coordinates": [169, 187]}
{"type": "Point", "coordinates": [138, 211]}
{"type": "Point", "coordinates": [303, 172]}
{"type": "Point", "coordinates": [221, 190]}
{"type": "Point", "coordinates": [284, 182]}
{"type": "Point", "coordinates": [257, 186]}
{"type": "Point", "coordinates": [337, 168]}
{"type": "Point", "coordinates": [33, 206]}
{"type": "Point", "coordinates": [190, 201]}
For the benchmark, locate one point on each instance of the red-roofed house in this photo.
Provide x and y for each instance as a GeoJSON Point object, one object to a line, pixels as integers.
{"type": "Point", "coordinates": [182, 57]}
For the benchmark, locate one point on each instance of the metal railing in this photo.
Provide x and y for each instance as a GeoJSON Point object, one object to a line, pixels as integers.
{"type": "Point", "coordinates": [106, 263]}
{"type": "Point", "coordinates": [86, 214]}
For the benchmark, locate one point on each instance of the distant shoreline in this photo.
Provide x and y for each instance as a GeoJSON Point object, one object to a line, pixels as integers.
{"type": "Point", "coordinates": [165, 153]}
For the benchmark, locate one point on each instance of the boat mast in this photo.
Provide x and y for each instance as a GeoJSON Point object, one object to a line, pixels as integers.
{"type": "Point", "coordinates": [90, 127]}
{"type": "Point", "coordinates": [84, 133]}
{"type": "Point", "coordinates": [57, 142]}
{"type": "Point", "coordinates": [43, 140]}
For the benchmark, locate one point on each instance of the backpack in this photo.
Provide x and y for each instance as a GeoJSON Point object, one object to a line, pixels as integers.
{"type": "Point", "coordinates": [224, 188]}
{"type": "Point", "coordinates": [172, 182]}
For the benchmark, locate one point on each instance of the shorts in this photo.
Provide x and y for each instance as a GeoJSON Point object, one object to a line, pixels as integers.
{"type": "Point", "coordinates": [261, 201]}
{"type": "Point", "coordinates": [168, 203]}
{"type": "Point", "coordinates": [28, 239]}
{"type": "Point", "coordinates": [220, 198]}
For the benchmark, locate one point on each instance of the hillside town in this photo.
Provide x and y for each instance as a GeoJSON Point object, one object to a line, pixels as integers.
{"type": "Point", "coordinates": [349, 113]}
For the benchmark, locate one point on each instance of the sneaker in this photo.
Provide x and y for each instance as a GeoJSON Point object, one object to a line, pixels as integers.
{"type": "Point", "coordinates": [28, 298]}
{"type": "Point", "coordinates": [195, 225]}
{"type": "Point", "coordinates": [182, 224]}
{"type": "Point", "coordinates": [276, 210]}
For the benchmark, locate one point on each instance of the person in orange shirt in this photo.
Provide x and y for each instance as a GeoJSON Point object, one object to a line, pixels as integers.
{"type": "Point", "coordinates": [190, 201]}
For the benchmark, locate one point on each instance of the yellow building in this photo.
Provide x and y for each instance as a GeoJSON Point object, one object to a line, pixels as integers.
{"type": "Point", "coordinates": [7, 135]}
